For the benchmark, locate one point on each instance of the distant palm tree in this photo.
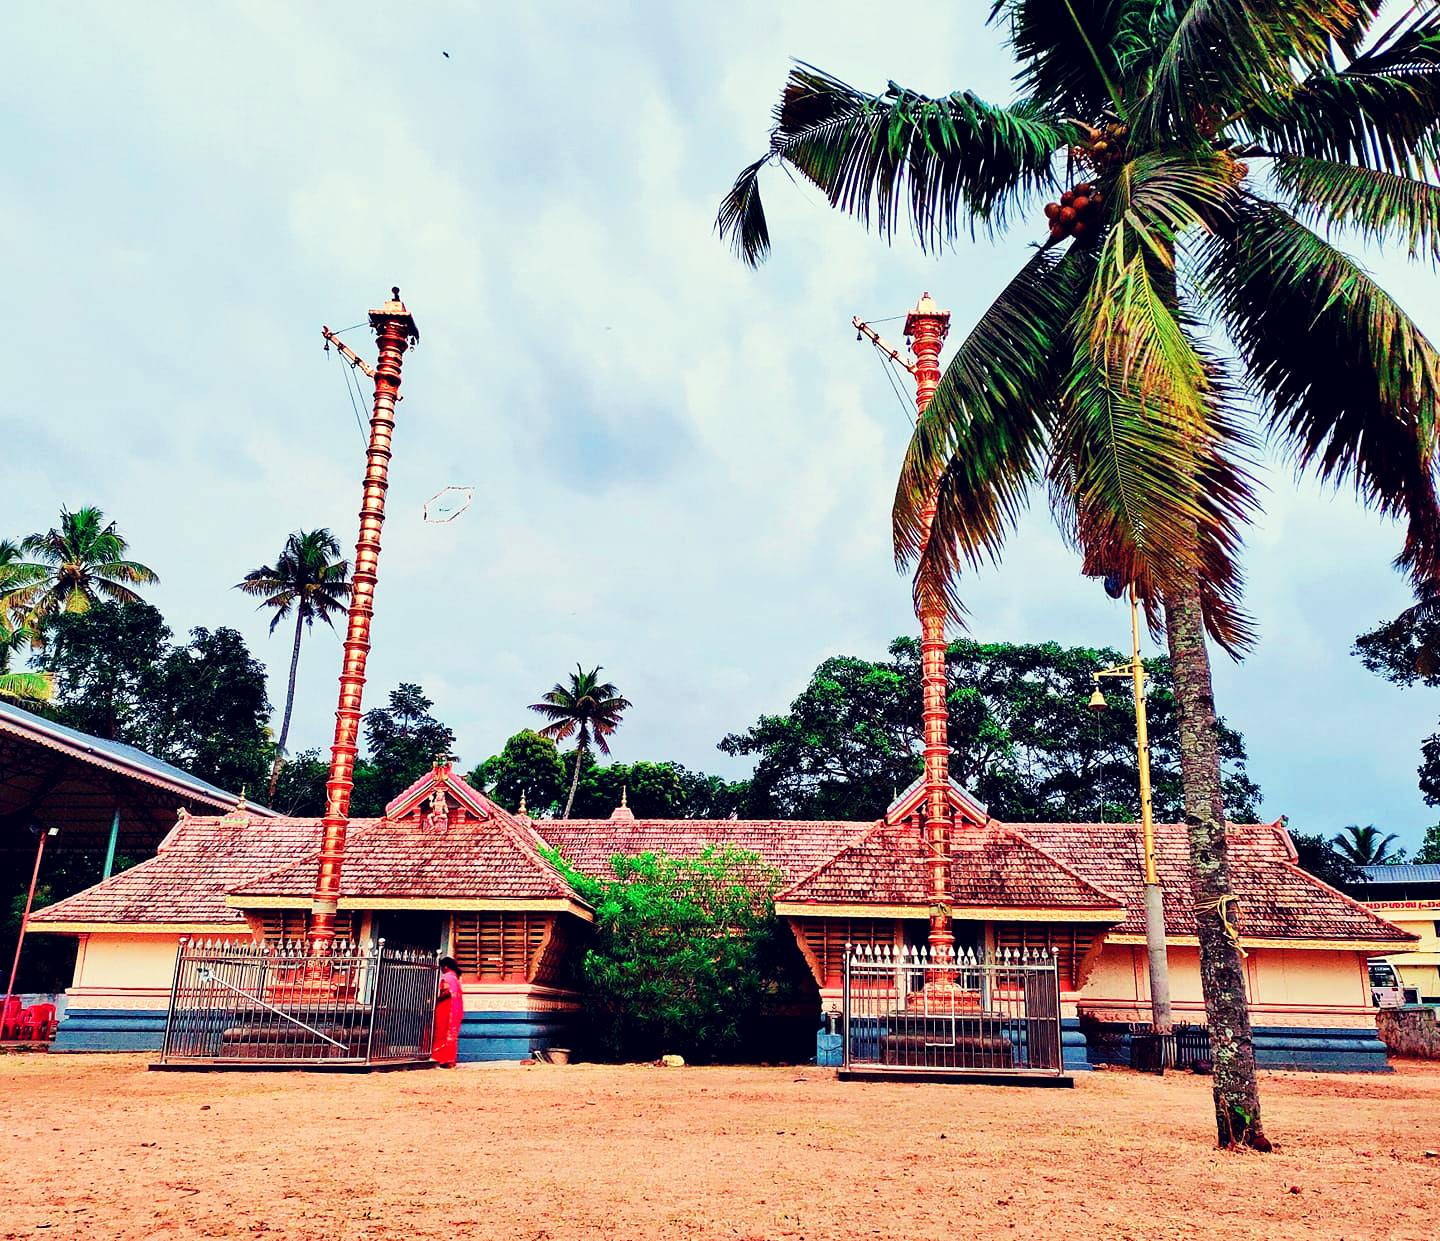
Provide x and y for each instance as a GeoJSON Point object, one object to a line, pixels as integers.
{"type": "Point", "coordinates": [73, 566]}
{"type": "Point", "coordinates": [1363, 846]}
{"type": "Point", "coordinates": [20, 686]}
{"type": "Point", "coordinates": [15, 574]}
{"type": "Point", "coordinates": [587, 709]}
{"type": "Point", "coordinates": [309, 580]}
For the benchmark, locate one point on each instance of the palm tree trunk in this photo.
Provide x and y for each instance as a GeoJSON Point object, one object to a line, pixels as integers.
{"type": "Point", "coordinates": [574, 780]}
{"type": "Point", "coordinates": [289, 706]}
{"type": "Point", "coordinates": [1222, 972]}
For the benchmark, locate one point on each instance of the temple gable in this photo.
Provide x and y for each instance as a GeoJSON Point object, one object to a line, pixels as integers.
{"type": "Point", "coordinates": [440, 799]}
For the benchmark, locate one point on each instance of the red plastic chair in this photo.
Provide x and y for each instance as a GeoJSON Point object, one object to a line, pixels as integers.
{"type": "Point", "coordinates": [37, 1023]}
{"type": "Point", "coordinates": [10, 1017]}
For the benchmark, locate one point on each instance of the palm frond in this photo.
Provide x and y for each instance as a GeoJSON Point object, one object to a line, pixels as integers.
{"type": "Point", "coordinates": [127, 571]}
{"type": "Point", "coordinates": [1351, 383]}
{"type": "Point", "coordinates": [1205, 485]}
{"type": "Point", "coordinates": [1143, 422]}
{"type": "Point", "coordinates": [976, 450]}
{"type": "Point", "coordinates": [1381, 111]}
{"type": "Point", "coordinates": [944, 163]}
{"type": "Point", "coordinates": [742, 216]}
{"type": "Point", "coordinates": [1069, 51]}
{"type": "Point", "coordinates": [1135, 334]}
{"type": "Point", "coordinates": [113, 591]}
{"type": "Point", "coordinates": [26, 686]}
{"type": "Point", "coordinates": [1380, 204]}
{"type": "Point", "coordinates": [1223, 55]}
{"type": "Point", "coordinates": [1155, 492]}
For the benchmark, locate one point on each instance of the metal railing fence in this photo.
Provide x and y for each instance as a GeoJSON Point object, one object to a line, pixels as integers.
{"type": "Point", "coordinates": [239, 1001]}
{"type": "Point", "coordinates": [910, 1009]}
{"type": "Point", "coordinates": [1186, 1047]}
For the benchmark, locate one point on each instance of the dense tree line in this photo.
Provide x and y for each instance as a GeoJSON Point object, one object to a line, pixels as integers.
{"type": "Point", "coordinates": [1406, 652]}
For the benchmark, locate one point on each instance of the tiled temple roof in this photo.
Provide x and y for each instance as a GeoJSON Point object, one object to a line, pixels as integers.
{"type": "Point", "coordinates": [207, 867]}
{"type": "Point", "coordinates": [489, 859]}
{"type": "Point", "coordinates": [991, 867]}
{"type": "Point", "coordinates": [186, 880]}
{"type": "Point", "coordinates": [1275, 898]}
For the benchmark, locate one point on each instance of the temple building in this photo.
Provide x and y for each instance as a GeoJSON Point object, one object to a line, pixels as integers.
{"type": "Point", "coordinates": [447, 868]}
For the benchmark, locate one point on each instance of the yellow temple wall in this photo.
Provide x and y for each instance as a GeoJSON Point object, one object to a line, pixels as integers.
{"type": "Point", "coordinates": [1286, 986]}
{"type": "Point", "coordinates": [123, 970]}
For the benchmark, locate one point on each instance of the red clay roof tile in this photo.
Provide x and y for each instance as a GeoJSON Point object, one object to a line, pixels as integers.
{"type": "Point", "coordinates": [990, 867]}
{"type": "Point", "coordinates": [1276, 899]}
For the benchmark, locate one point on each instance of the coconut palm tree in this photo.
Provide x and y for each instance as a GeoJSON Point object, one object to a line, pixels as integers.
{"type": "Point", "coordinates": [15, 574]}
{"type": "Point", "coordinates": [1364, 846]}
{"type": "Point", "coordinates": [21, 687]}
{"type": "Point", "coordinates": [1196, 142]}
{"type": "Point", "coordinates": [587, 709]}
{"type": "Point", "coordinates": [309, 580]}
{"type": "Point", "coordinates": [73, 566]}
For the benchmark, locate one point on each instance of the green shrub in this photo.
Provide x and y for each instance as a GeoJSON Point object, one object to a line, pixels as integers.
{"type": "Point", "coordinates": [684, 954]}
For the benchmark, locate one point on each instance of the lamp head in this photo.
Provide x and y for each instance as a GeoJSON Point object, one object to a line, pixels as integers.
{"type": "Point", "coordinates": [1097, 700]}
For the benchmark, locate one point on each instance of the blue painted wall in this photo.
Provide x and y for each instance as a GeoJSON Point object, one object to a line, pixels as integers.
{"type": "Point", "coordinates": [1326, 1051]}
{"type": "Point", "coordinates": [483, 1036]}
{"type": "Point", "coordinates": [513, 1035]}
{"type": "Point", "coordinates": [110, 1029]}
{"type": "Point", "coordinates": [1318, 1050]}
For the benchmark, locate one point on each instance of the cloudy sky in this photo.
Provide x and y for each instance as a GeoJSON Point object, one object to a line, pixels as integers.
{"type": "Point", "coordinates": [682, 468]}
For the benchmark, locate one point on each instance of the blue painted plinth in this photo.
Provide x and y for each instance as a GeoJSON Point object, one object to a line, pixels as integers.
{"type": "Point", "coordinates": [110, 1029]}
{"type": "Point", "coordinates": [514, 1035]}
{"type": "Point", "coordinates": [1317, 1049]}
{"type": "Point", "coordinates": [1320, 1050]}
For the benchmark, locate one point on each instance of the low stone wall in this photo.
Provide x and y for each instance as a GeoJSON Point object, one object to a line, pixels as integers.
{"type": "Point", "coordinates": [1411, 1032]}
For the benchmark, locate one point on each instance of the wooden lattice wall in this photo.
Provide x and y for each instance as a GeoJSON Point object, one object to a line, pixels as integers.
{"type": "Point", "coordinates": [1070, 943]}
{"type": "Point", "coordinates": [277, 924]}
{"type": "Point", "coordinates": [822, 942]}
{"type": "Point", "coordinates": [503, 946]}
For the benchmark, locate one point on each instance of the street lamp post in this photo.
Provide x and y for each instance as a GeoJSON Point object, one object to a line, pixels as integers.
{"type": "Point", "coordinates": [1155, 951]}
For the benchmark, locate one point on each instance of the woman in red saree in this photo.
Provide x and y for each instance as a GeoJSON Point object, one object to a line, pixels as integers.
{"type": "Point", "coordinates": [449, 1013]}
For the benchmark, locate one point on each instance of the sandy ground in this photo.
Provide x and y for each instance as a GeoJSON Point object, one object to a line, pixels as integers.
{"type": "Point", "coordinates": [96, 1147]}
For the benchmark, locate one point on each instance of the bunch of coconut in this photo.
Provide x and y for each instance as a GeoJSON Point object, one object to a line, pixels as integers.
{"type": "Point", "coordinates": [1077, 213]}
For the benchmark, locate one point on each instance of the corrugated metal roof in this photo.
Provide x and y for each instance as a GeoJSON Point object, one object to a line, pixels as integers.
{"type": "Point", "coordinates": [1403, 872]}
{"type": "Point", "coordinates": [115, 756]}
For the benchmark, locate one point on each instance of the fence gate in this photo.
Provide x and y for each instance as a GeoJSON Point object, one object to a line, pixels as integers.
{"type": "Point", "coordinates": [911, 1010]}
{"type": "Point", "coordinates": [235, 1001]}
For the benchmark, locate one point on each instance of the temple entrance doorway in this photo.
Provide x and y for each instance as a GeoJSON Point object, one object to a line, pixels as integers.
{"type": "Point", "coordinates": [410, 928]}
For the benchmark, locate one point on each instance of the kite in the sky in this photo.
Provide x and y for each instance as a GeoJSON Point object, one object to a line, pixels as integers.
{"type": "Point", "coordinates": [448, 503]}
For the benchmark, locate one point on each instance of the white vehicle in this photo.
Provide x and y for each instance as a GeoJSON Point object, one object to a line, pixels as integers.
{"type": "Point", "coordinates": [1386, 989]}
